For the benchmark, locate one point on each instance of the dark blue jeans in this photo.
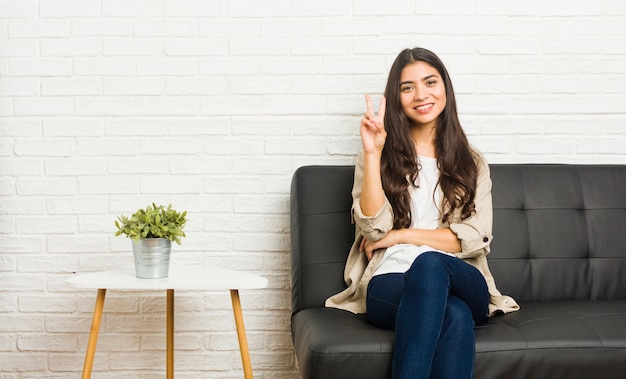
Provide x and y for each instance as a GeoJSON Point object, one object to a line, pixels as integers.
{"type": "Point", "coordinates": [433, 308]}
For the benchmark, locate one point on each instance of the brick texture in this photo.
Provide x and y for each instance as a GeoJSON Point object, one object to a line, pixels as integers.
{"type": "Point", "coordinates": [108, 105]}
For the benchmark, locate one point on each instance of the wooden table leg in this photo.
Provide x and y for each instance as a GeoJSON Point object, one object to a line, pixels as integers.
{"type": "Point", "coordinates": [93, 334]}
{"type": "Point", "coordinates": [170, 334]}
{"type": "Point", "coordinates": [241, 334]}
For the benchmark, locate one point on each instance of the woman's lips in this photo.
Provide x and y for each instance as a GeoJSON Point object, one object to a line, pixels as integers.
{"type": "Point", "coordinates": [425, 108]}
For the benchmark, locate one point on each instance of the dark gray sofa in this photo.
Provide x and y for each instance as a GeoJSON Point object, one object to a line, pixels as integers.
{"type": "Point", "coordinates": [559, 249]}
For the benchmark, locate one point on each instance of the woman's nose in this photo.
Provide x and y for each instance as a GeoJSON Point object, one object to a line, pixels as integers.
{"type": "Point", "coordinates": [420, 93]}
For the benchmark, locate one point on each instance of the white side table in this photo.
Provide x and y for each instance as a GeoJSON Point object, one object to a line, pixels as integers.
{"type": "Point", "coordinates": [180, 278]}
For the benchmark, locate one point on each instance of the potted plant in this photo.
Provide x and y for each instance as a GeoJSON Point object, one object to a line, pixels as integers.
{"type": "Point", "coordinates": [152, 231]}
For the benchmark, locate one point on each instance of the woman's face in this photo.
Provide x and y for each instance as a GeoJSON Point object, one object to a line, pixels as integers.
{"type": "Point", "coordinates": [422, 93]}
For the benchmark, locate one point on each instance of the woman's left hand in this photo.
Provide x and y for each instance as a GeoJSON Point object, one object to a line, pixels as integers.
{"type": "Point", "coordinates": [368, 247]}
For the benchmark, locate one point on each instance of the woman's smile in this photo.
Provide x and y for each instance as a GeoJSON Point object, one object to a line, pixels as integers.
{"type": "Point", "coordinates": [424, 108]}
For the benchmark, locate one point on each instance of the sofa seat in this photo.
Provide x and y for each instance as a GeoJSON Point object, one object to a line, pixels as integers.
{"type": "Point", "coordinates": [583, 335]}
{"type": "Point", "coordinates": [330, 342]}
{"type": "Point", "coordinates": [562, 339]}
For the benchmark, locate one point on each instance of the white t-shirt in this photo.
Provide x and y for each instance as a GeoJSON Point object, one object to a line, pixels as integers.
{"type": "Point", "coordinates": [425, 202]}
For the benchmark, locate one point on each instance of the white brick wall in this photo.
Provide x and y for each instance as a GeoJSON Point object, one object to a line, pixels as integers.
{"type": "Point", "coordinates": [107, 105]}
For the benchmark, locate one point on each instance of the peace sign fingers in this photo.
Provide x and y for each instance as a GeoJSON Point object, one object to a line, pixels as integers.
{"type": "Point", "coordinates": [368, 103]}
{"type": "Point", "coordinates": [380, 117]}
{"type": "Point", "coordinates": [381, 108]}
{"type": "Point", "coordinates": [373, 133]}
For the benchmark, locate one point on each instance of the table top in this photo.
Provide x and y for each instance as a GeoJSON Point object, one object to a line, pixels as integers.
{"type": "Point", "coordinates": [181, 277]}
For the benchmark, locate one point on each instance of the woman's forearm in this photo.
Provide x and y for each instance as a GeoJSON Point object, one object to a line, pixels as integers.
{"type": "Point", "coordinates": [372, 194]}
{"type": "Point", "coordinates": [440, 239]}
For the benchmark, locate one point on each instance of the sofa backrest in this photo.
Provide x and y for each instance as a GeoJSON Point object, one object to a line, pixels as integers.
{"type": "Point", "coordinates": [559, 231]}
{"type": "Point", "coordinates": [321, 232]}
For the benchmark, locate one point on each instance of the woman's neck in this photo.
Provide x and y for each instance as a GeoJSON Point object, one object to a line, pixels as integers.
{"type": "Point", "coordinates": [424, 139]}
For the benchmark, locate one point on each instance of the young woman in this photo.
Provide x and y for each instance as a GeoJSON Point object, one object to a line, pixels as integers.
{"type": "Point", "coordinates": [423, 215]}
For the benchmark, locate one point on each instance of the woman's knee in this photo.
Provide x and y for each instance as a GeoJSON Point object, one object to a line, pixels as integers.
{"type": "Point", "coordinates": [430, 261]}
{"type": "Point", "coordinates": [428, 269]}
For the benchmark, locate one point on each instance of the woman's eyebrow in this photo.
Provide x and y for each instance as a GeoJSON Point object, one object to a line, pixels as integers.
{"type": "Point", "coordinates": [423, 79]}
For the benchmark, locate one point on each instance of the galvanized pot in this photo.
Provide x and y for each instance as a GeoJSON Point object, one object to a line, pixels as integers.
{"type": "Point", "coordinates": [152, 257]}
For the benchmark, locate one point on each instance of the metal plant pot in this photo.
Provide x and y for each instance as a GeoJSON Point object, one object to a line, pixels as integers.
{"type": "Point", "coordinates": [152, 257]}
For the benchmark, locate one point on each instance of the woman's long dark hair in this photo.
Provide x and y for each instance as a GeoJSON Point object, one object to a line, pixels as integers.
{"type": "Point", "coordinates": [455, 159]}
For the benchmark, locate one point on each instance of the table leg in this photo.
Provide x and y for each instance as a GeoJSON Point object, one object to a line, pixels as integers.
{"type": "Point", "coordinates": [170, 334]}
{"type": "Point", "coordinates": [241, 334]}
{"type": "Point", "coordinates": [93, 334]}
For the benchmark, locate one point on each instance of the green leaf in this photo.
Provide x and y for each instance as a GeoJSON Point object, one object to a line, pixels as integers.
{"type": "Point", "coordinates": [153, 221]}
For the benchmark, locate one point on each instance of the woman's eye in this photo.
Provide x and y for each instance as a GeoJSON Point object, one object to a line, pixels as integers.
{"type": "Point", "coordinates": [431, 82]}
{"type": "Point", "coordinates": [406, 88]}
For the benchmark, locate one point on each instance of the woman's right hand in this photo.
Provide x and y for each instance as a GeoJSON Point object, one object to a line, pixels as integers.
{"type": "Point", "coordinates": [373, 134]}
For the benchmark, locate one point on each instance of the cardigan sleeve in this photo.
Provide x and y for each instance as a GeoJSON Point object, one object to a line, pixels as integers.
{"type": "Point", "coordinates": [372, 227]}
{"type": "Point", "coordinates": [358, 270]}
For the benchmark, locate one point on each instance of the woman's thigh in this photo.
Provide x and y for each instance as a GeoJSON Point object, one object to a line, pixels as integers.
{"type": "Point", "coordinates": [384, 293]}
{"type": "Point", "coordinates": [464, 281]}
{"type": "Point", "coordinates": [454, 276]}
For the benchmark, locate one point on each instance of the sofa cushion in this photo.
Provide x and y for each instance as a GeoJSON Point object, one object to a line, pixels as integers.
{"type": "Point", "coordinates": [331, 342]}
{"type": "Point", "coordinates": [563, 339]}
{"type": "Point", "coordinates": [321, 233]}
{"type": "Point", "coordinates": [559, 232]}
{"type": "Point", "coordinates": [570, 339]}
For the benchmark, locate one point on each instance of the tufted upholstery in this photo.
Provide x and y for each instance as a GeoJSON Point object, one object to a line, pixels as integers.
{"type": "Point", "coordinates": [559, 249]}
